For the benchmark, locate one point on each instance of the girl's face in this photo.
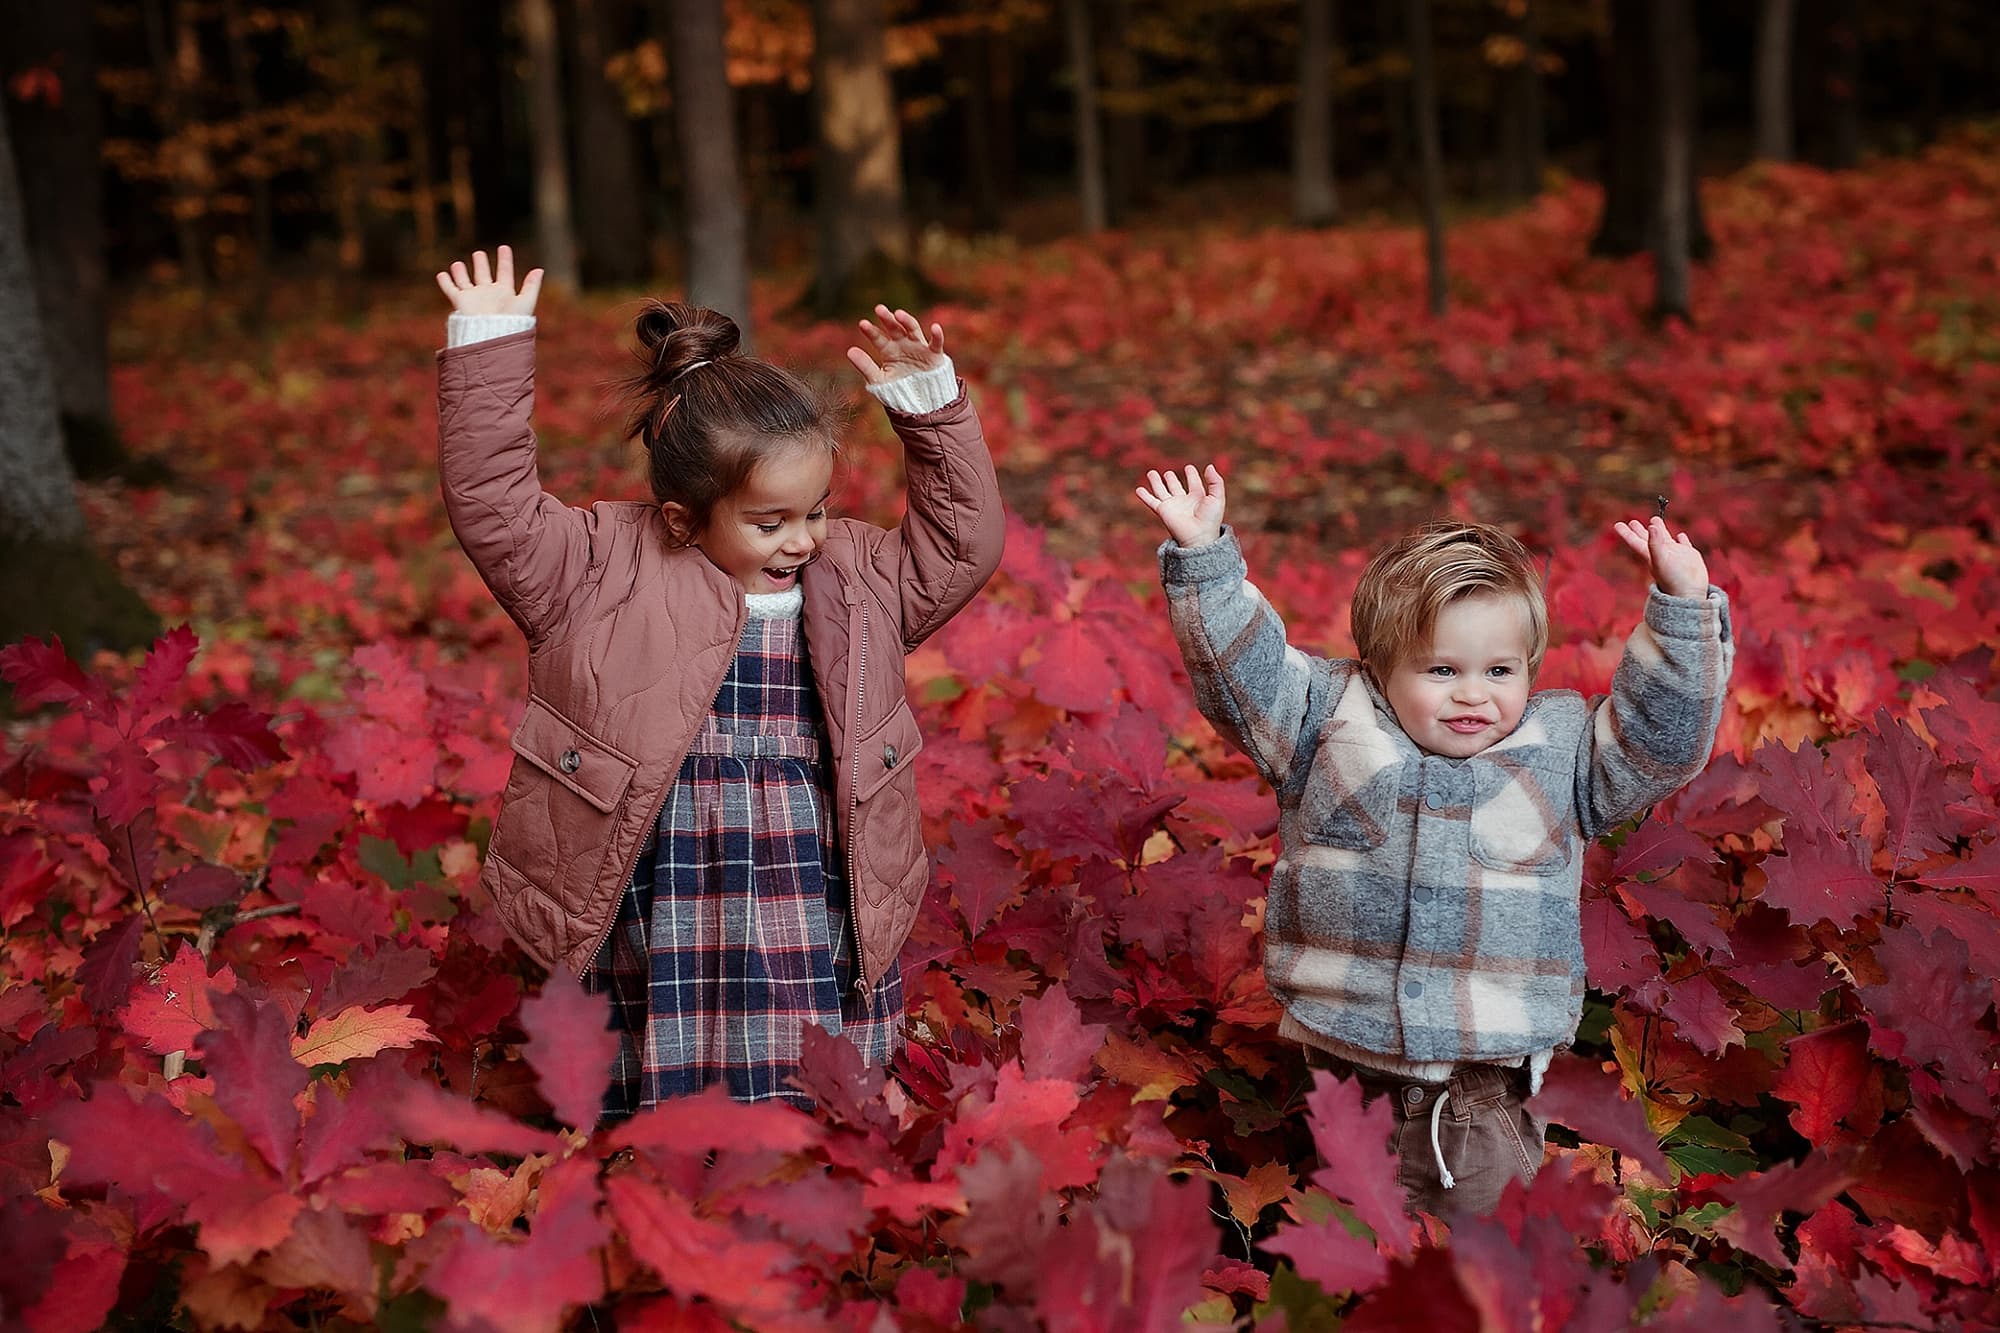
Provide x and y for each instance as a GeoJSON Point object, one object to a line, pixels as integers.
{"type": "Point", "coordinates": [1467, 691]}
{"type": "Point", "coordinates": [775, 522]}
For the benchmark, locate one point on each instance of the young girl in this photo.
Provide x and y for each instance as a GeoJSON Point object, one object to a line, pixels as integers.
{"type": "Point", "coordinates": [712, 812]}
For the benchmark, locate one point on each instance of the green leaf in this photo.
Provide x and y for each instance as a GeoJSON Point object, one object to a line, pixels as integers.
{"type": "Point", "coordinates": [1306, 1308]}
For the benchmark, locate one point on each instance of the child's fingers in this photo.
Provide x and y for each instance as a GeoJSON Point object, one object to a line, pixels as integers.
{"type": "Point", "coordinates": [481, 274]}
{"type": "Point", "coordinates": [448, 287]}
{"type": "Point", "coordinates": [937, 338]}
{"type": "Point", "coordinates": [504, 268]}
{"type": "Point", "coordinates": [1151, 501]}
{"type": "Point", "coordinates": [458, 273]}
{"type": "Point", "coordinates": [1214, 481]}
{"type": "Point", "coordinates": [878, 337]}
{"type": "Point", "coordinates": [531, 288]}
{"type": "Point", "coordinates": [865, 364]}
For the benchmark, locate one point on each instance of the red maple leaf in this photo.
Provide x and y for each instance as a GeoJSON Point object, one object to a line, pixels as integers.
{"type": "Point", "coordinates": [343, 1130]}
{"type": "Point", "coordinates": [1135, 1254]}
{"type": "Point", "coordinates": [571, 1047]}
{"type": "Point", "coordinates": [525, 1287]}
{"type": "Point", "coordinates": [1008, 1221]}
{"type": "Point", "coordinates": [1358, 1166]}
{"type": "Point", "coordinates": [711, 1119]}
{"type": "Point", "coordinates": [235, 733]}
{"type": "Point", "coordinates": [699, 1256]}
{"type": "Point", "coordinates": [981, 874]}
{"type": "Point", "coordinates": [1925, 1002]}
{"type": "Point", "coordinates": [1823, 1077]}
{"type": "Point", "coordinates": [1030, 1111]}
{"type": "Point", "coordinates": [1577, 1093]}
{"type": "Point", "coordinates": [832, 1073]}
{"type": "Point", "coordinates": [815, 1209]}
{"type": "Point", "coordinates": [1701, 1014]}
{"type": "Point", "coordinates": [1074, 670]}
{"type": "Point", "coordinates": [426, 1113]}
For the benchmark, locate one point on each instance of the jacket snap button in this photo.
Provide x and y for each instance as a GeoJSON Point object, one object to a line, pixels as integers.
{"type": "Point", "coordinates": [1433, 800]}
{"type": "Point", "coordinates": [888, 756]}
{"type": "Point", "coordinates": [1413, 989]}
{"type": "Point", "coordinates": [570, 761]}
{"type": "Point", "coordinates": [1414, 1096]}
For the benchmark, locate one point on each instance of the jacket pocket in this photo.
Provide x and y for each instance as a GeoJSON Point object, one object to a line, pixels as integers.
{"type": "Point", "coordinates": [1521, 820]}
{"type": "Point", "coordinates": [888, 834]}
{"type": "Point", "coordinates": [572, 757]}
{"type": "Point", "coordinates": [1349, 796]}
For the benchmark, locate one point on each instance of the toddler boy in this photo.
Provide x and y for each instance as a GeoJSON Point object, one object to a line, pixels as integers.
{"type": "Point", "coordinates": [1422, 932]}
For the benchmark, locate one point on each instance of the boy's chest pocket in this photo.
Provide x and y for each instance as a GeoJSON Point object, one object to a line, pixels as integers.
{"type": "Point", "coordinates": [1349, 799]}
{"type": "Point", "coordinates": [1521, 816]}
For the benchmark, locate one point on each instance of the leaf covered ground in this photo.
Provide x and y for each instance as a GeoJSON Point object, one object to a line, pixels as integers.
{"type": "Point", "coordinates": [267, 1061]}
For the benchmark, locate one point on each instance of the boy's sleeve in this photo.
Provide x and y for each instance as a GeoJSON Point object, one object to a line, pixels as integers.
{"type": "Point", "coordinates": [1653, 733]}
{"type": "Point", "coordinates": [1252, 686]}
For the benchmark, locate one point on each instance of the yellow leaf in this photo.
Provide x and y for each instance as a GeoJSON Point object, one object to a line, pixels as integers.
{"type": "Point", "coordinates": [1263, 1185]}
{"type": "Point", "coordinates": [1154, 1072]}
{"type": "Point", "coordinates": [355, 1034]}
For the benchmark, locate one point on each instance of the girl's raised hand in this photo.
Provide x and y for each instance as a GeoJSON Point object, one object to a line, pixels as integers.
{"type": "Point", "coordinates": [901, 348]}
{"type": "Point", "coordinates": [481, 292]}
{"type": "Point", "coordinates": [1676, 565]}
{"type": "Point", "coordinates": [1190, 509]}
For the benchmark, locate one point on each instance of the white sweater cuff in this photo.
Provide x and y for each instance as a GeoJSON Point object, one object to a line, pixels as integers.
{"type": "Point", "coordinates": [459, 330]}
{"type": "Point", "coordinates": [921, 392]}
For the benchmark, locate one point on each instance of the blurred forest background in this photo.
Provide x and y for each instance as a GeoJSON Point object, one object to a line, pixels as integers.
{"type": "Point", "coordinates": [288, 157]}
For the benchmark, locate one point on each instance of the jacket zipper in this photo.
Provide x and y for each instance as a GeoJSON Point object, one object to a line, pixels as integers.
{"type": "Point", "coordinates": [854, 803]}
{"type": "Point", "coordinates": [652, 820]}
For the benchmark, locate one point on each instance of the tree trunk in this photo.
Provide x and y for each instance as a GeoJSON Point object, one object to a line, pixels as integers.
{"type": "Point", "coordinates": [1522, 123]}
{"type": "Point", "coordinates": [1315, 202]}
{"type": "Point", "coordinates": [1632, 140]}
{"type": "Point", "coordinates": [555, 232]}
{"type": "Point", "coordinates": [1395, 90]}
{"type": "Point", "coordinates": [243, 77]}
{"type": "Point", "coordinates": [1083, 105]}
{"type": "Point", "coordinates": [717, 229]}
{"type": "Point", "coordinates": [1774, 80]}
{"type": "Point", "coordinates": [184, 165]}
{"type": "Point", "coordinates": [1125, 173]}
{"type": "Point", "coordinates": [1843, 82]}
{"type": "Point", "coordinates": [982, 177]}
{"type": "Point", "coordinates": [864, 242]}
{"type": "Point", "coordinates": [62, 185]}
{"type": "Point", "coordinates": [1673, 43]}
{"type": "Point", "coordinates": [611, 218]}
{"type": "Point", "coordinates": [50, 579]}
{"type": "Point", "coordinates": [1430, 162]}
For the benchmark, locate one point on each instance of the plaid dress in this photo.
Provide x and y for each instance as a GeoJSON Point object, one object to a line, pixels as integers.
{"type": "Point", "coordinates": [734, 931]}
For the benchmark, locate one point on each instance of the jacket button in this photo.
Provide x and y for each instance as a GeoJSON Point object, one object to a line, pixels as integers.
{"type": "Point", "coordinates": [1413, 1095]}
{"type": "Point", "coordinates": [1413, 989]}
{"type": "Point", "coordinates": [570, 761]}
{"type": "Point", "coordinates": [888, 756]}
{"type": "Point", "coordinates": [1433, 800]}
{"type": "Point", "coordinates": [1422, 895]}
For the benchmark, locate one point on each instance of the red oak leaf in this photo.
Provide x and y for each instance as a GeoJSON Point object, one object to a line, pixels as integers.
{"type": "Point", "coordinates": [1421, 1292]}
{"type": "Point", "coordinates": [1926, 1000]}
{"type": "Point", "coordinates": [342, 1131]}
{"type": "Point", "coordinates": [698, 1256]}
{"type": "Point", "coordinates": [1074, 671]}
{"type": "Point", "coordinates": [390, 973]}
{"type": "Point", "coordinates": [571, 1047]}
{"type": "Point", "coordinates": [203, 886]}
{"type": "Point", "coordinates": [831, 1072]}
{"type": "Point", "coordinates": [110, 963]}
{"type": "Point", "coordinates": [324, 1250]}
{"type": "Point", "coordinates": [131, 785]}
{"type": "Point", "coordinates": [525, 1287]}
{"type": "Point", "coordinates": [382, 1188]}
{"type": "Point", "coordinates": [815, 1209]}
{"type": "Point", "coordinates": [981, 874]}
{"type": "Point", "coordinates": [426, 1113]}
{"type": "Point", "coordinates": [1823, 873]}
{"type": "Point", "coordinates": [1903, 1179]}
{"type": "Point", "coordinates": [1823, 1077]}
{"type": "Point", "coordinates": [1577, 1093]}
{"type": "Point", "coordinates": [1618, 953]}
{"type": "Point", "coordinates": [1328, 1253]}
{"type": "Point", "coordinates": [42, 673]}
{"type": "Point", "coordinates": [1055, 1041]}
{"type": "Point", "coordinates": [1916, 790]}
{"type": "Point", "coordinates": [1135, 1254]}
{"type": "Point", "coordinates": [1030, 1111]}
{"type": "Point", "coordinates": [241, 1218]}
{"type": "Point", "coordinates": [1702, 1015]}
{"type": "Point", "coordinates": [235, 733]}
{"type": "Point", "coordinates": [711, 1119]}
{"type": "Point", "coordinates": [356, 1033]}
{"type": "Point", "coordinates": [1761, 1197]}
{"type": "Point", "coordinates": [1656, 847]}
{"type": "Point", "coordinates": [1358, 1166]}
{"type": "Point", "coordinates": [1008, 1222]}
{"type": "Point", "coordinates": [163, 670]}
{"type": "Point", "coordinates": [257, 1082]}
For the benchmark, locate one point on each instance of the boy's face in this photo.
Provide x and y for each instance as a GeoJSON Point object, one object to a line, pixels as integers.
{"type": "Point", "coordinates": [1468, 691]}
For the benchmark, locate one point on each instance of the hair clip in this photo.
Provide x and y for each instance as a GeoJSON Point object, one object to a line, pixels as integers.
{"type": "Point", "coordinates": [665, 412]}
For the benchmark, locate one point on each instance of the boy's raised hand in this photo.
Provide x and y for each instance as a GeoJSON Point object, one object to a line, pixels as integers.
{"type": "Point", "coordinates": [900, 346]}
{"type": "Point", "coordinates": [1190, 509]}
{"type": "Point", "coordinates": [1676, 565]}
{"type": "Point", "coordinates": [481, 292]}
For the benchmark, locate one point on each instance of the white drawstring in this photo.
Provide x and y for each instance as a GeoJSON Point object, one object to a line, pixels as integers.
{"type": "Point", "coordinates": [1437, 1149]}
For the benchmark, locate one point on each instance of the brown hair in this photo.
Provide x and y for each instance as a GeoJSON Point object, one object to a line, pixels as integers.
{"type": "Point", "coordinates": [1409, 582]}
{"type": "Point", "coordinates": [707, 415]}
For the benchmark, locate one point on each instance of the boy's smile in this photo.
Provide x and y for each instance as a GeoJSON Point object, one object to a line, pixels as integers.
{"type": "Point", "coordinates": [1469, 690]}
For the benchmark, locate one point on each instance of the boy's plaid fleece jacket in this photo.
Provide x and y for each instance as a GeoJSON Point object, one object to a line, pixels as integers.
{"type": "Point", "coordinates": [1423, 907]}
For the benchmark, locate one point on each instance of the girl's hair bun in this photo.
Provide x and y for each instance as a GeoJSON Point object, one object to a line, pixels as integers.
{"type": "Point", "coordinates": [674, 336]}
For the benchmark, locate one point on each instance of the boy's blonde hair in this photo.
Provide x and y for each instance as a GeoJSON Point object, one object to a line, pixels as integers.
{"type": "Point", "coordinates": [1409, 582]}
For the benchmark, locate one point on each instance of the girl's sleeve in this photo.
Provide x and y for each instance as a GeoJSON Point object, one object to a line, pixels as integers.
{"type": "Point", "coordinates": [530, 548]}
{"type": "Point", "coordinates": [954, 529]}
{"type": "Point", "coordinates": [1652, 734]}
{"type": "Point", "coordinates": [1251, 684]}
